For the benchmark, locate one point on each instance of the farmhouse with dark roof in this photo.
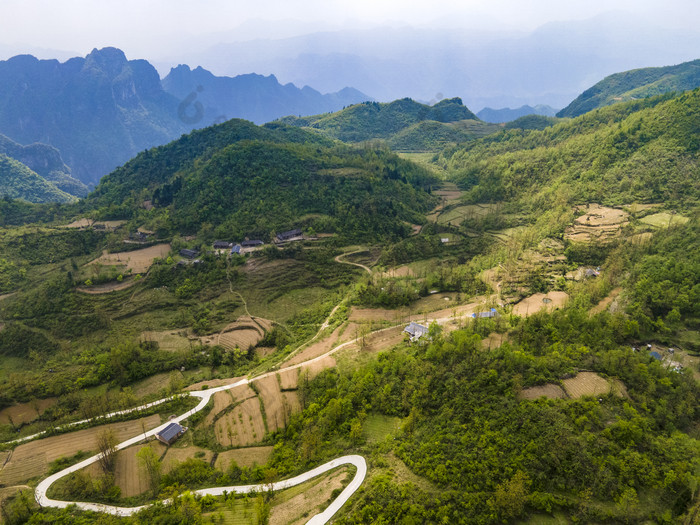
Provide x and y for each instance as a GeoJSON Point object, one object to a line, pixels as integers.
{"type": "Point", "coordinates": [170, 433]}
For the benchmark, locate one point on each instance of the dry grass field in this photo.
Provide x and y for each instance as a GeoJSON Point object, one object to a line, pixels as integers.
{"type": "Point", "coordinates": [244, 457]}
{"type": "Point", "coordinates": [289, 379]}
{"type": "Point", "coordinates": [25, 412]}
{"type": "Point", "coordinates": [177, 454]}
{"type": "Point", "coordinates": [549, 390]}
{"type": "Point", "coordinates": [586, 384]}
{"type": "Point", "coordinates": [540, 301]}
{"type": "Point", "coordinates": [277, 412]}
{"type": "Point", "coordinates": [128, 475]}
{"type": "Point", "coordinates": [317, 348]}
{"type": "Point", "coordinates": [138, 261]}
{"type": "Point", "coordinates": [294, 506]}
{"type": "Point", "coordinates": [32, 459]}
{"type": "Point", "coordinates": [242, 426]}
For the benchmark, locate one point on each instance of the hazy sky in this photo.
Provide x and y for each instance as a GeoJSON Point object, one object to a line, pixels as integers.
{"type": "Point", "coordinates": [155, 28]}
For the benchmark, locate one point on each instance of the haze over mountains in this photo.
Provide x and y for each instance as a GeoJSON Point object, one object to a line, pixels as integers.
{"type": "Point", "coordinates": [550, 65]}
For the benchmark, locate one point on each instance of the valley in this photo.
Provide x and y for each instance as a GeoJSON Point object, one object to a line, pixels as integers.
{"type": "Point", "coordinates": [406, 341]}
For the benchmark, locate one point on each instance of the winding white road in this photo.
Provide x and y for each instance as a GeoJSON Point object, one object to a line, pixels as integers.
{"type": "Point", "coordinates": [205, 395]}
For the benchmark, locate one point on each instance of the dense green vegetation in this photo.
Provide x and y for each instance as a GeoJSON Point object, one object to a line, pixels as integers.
{"type": "Point", "coordinates": [635, 84]}
{"type": "Point", "coordinates": [17, 181]}
{"type": "Point", "coordinates": [230, 176]}
{"type": "Point", "coordinates": [644, 151]}
{"type": "Point", "coordinates": [429, 135]}
{"type": "Point", "coordinates": [374, 120]}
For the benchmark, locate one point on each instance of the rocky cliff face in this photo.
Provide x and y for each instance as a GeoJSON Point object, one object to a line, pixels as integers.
{"type": "Point", "coordinates": [99, 111]}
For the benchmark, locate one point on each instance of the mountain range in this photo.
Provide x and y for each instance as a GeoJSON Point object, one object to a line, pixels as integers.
{"type": "Point", "coordinates": [101, 110]}
{"type": "Point", "coordinates": [549, 65]}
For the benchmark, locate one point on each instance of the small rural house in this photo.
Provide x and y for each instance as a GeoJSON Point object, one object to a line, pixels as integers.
{"type": "Point", "coordinates": [290, 235]}
{"type": "Point", "coordinates": [236, 250]}
{"type": "Point", "coordinates": [190, 254]}
{"type": "Point", "coordinates": [415, 331]}
{"type": "Point", "coordinates": [170, 433]}
{"type": "Point", "coordinates": [485, 315]}
{"type": "Point", "coordinates": [222, 245]}
{"type": "Point", "coordinates": [252, 243]}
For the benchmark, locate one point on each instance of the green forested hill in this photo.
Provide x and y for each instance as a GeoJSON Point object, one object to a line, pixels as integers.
{"type": "Point", "coordinates": [244, 179]}
{"type": "Point", "coordinates": [17, 181]}
{"type": "Point", "coordinates": [372, 120]}
{"type": "Point", "coordinates": [429, 135]}
{"type": "Point", "coordinates": [642, 151]}
{"type": "Point", "coordinates": [635, 84]}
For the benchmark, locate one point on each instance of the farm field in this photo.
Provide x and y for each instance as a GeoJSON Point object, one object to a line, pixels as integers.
{"type": "Point", "coordinates": [587, 384]}
{"type": "Point", "coordinates": [138, 261]}
{"type": "Point", "coordinates": [598, 223]}
{"type": "Point", "coordinates": [605, 303]}
{"type": "Point", "coordinates": [25, 412]}
{"type": "Point", "coordinates": [378, 427]}
{"type": "Point", "coordinates": [32, 459]}
{"type": "Point", "coordinates": [539, 301]}
{"type": "Point", "coordinates": [294, 506]}
{"type": "Point", "coordinates": [664, 220]}
{"type": "Point", "coordinates": [244, 457]}
{"type": "Point", "coordinates": [549, 390]}
{"type": "Point", "coordinates": [279, 407]}
{"type": "Point", "coordinates": [242, 426]}
{"type": "Point", "coordinates": [108, 287]}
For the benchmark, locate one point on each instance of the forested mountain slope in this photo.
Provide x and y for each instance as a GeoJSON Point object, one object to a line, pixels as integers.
{"type": "Point", "coordinates": [17, 181]}
{"type": "Point", "coordinates": [372, 120]}
{"type": "Point", "coordinates": [46, 161]}
{"type": "Point", "coordinates": [642, 151]}
{"type": "Point", "coordinates": [233, 175]}
{"type": "Point", "coordinates": [635, 84]}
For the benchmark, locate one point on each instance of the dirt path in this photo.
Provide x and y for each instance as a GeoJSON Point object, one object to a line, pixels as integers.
{"type": "Point", "coordinates": [338, 259]}
{"type": "Point", "coordinates": [603, 304]}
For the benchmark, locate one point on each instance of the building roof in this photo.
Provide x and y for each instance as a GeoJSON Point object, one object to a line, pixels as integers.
{"type": "Point", "coordinates": [491, 313]}
{"type": "Point", "coordinates": [171, 432]}
{"type": "Point", "coordinates": [289, 234]}
{"type": "Point", "coordinates": [416, 330]}
{"type": "Point", "coordinates": [186, 252]}
{"type": "Point", "coordinates": [236, 249]}
{"type": "Point", "coordinates": [655, 355]}
{"type": "Point", "coordinates": [222, 244]}
{"type": "Point", "coordinates": [254, 242]}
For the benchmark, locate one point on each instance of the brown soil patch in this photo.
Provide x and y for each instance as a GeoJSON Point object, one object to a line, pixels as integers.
{"type": "Point", "coordinates": [225, 398]}
{"type": "Point", "coordinates": [31, 459]}
{"type": "Point", "coordinates": [400, 271]}
{"type": "Point", "coordinates": [264, 351]}
{"type": "Point", "coordinates": [586, 384]}
{"type": "Point", "coordinates": [277, 411]}
{"type": "Point", "coordinates": [316, 349]}
{"type": "Point", "coordinates": [242, 426]}
{"type": "Point", "coordinates": [295, 507]}
{"type": "Point", "coordinates": [128, 475]}
{"type": "Point", "coordinates": [113, 286]}
{"type": "Point", "coordinates": [244, 457]}
{"type": "Point", "coordinates": [316, 367]}
{"type": "Point", "coordinates": [549, 390]}
{"type": "Point", "coordinates": [603, 305]}
{"type": "Point", "coordinates": [540, 301]}
{"type": "Point", "coordinates": [289, 379]}
{"type": "Point", "coordinates": [138, 261]}
{"type": "Point", "coordinates": [25, 412]}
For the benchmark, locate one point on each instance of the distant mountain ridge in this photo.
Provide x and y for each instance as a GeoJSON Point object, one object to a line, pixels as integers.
{"type": "Point", "coordinates": [252, 97]}
{"type": "Point", "coordinates": [498, 116]}
{"type": "Point", "coordinates": [374, 120]}
{"type": "Point", "coordinates": [634, 84]}
{"type": "Point", "coordinates": [101, 110]}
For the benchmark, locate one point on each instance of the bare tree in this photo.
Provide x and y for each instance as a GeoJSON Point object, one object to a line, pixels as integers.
{"type": "Point", "coordinates": [107, 445]}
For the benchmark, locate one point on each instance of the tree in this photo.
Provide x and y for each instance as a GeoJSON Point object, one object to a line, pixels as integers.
{"type": "Point", "coordinates": [150, 463]}
{"type": "Point", "coordinates": [107, 445]}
